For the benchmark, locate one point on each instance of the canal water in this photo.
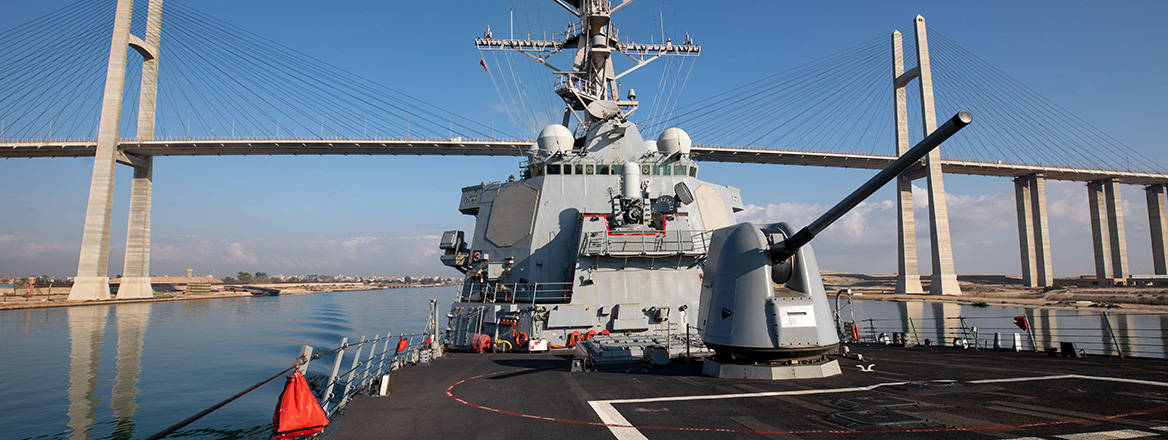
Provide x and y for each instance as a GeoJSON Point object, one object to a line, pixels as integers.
{"type": "Point", "coordinates": [1092, 330]}
{"type": "Point", "coordinates": [128, 371]}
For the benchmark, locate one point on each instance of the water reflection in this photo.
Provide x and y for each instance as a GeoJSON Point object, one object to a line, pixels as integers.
{"type": "Point", "coordinates": [132, 319]}
{"type": "Point", "coordinates": [86, 325]}
{"type": "Point", "coordinates": [1043, 327]}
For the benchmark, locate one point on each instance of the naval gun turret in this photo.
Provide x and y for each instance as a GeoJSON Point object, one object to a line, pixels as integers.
{"type": "Point", "coordinates": [763, 309]}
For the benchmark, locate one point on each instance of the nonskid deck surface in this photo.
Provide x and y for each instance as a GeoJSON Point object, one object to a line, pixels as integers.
{"type": "Point", "coordinates": [911, 393]}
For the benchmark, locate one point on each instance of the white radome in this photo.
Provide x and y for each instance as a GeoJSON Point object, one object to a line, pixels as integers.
{"type": "Point", "coordinates": [555, 139]}
{"type": "Point", "coordinates": [674, 140]}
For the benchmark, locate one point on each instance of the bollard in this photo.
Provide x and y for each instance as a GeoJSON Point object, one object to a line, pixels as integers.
{"type": "Point", "coordinates": [1017, 342]}
{"type": "Point", "coordinates": [997, 341]}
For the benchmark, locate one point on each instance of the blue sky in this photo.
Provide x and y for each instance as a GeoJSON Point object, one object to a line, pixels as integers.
{"type": "Point", "coordinates": [382, 215]}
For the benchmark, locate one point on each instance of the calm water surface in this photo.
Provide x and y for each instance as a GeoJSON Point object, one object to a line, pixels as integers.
{"type": "Point", "coordinates": [130, 370]}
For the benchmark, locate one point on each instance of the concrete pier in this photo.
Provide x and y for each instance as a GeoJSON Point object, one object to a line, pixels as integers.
{"type": "Point", "coordinates": [908, 280]}
{"type": "Point", "coordinates": [944, 280]}
{"type": "Point", "coordinates": [1107, 231]}
{"type": "Point", "coordinates": [136, 272]}
{"type": "Point", "coordinates": [1158, 226]}
{"type": "Point", "coordinates": [1033, 231]}
{"type": "Point", "coordinates": [92, 280]}
{"type": "Point", "coordinates": [1025, 231]}
{"type": "Point", "coordinates": [1119, 264]}
{"type": "Point", "coordinates": [1100, 235]}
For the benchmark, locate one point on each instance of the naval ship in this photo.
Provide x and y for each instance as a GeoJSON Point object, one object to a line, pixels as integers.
{"type": "Point", "coordinates": [609, 293]}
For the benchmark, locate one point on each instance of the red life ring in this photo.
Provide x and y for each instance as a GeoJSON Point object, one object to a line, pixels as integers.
{"type": "Point", "coordinates": [521, 339]}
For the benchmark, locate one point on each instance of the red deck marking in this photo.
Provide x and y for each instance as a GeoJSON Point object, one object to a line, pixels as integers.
{"type": "Point", "coordinates": [450, 393]}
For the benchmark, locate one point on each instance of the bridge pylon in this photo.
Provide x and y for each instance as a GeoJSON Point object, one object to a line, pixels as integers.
{"type": "Point", "coordinates": [92, 280]}
{"type": "Point", "coordinates": [944, 278]}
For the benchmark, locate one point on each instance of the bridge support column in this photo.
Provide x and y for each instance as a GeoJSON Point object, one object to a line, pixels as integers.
{"type": "Point", "coordinates": [1033, 231]}
{"type": "Point", "coordinates": [1119, 266]}
{"type": "Point", "coordinates": [136, 273]}
{"type": "Point", "coordinates": [1025, 231]}
{"type": "Point", "coordinates": [1100, 235]}
{"type": "Point", "coordinates": [1158, 225]}
{"type": "Point", "coordinates": [944, 280]}
{"type": "Point", "coordinates": [908, 280]}
{"type": "Point", "coordinates": [92, 280]}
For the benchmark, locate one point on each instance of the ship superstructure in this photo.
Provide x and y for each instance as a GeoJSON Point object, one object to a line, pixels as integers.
{"type": "Point", "coordinates": [603, 231]}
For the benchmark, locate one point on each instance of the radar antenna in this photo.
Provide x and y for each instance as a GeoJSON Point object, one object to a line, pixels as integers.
{"type": "Point", "coordinates": [591, 86]}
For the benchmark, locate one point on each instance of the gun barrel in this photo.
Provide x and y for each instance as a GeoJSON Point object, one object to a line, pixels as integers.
{"type": "Point", "coordinates": [787, 248]}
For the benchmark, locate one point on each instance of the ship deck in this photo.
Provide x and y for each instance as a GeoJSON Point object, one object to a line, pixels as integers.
{"type": "Point", "coordinates": [911, 393]}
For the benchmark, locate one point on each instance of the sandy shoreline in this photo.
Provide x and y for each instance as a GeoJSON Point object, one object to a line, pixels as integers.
{"type": "Point", "coordinates": [57, 296]}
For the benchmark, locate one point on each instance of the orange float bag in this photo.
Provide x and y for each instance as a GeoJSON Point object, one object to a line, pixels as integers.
{"type": "Point", "coordinates": [297, 412]}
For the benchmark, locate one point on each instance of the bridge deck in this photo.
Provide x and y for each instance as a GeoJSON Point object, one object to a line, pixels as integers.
{"type": "Point", "coordinates": [467, 147]}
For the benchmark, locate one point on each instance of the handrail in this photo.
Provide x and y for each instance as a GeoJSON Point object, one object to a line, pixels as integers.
{"type": "Point", "coordinates": [419, 346]}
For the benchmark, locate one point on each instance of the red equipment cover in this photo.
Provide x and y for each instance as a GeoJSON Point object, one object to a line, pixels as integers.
{"type": "Point", "coordinates": [480, 342]}
{"type": "Point", "coordinates": [402, 345]}
{"type": "Point", "coordinates": [297, 413]}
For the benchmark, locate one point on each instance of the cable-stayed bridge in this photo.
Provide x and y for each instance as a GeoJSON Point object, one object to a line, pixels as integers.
{"type": "Point", "coordinates": [177, 82]}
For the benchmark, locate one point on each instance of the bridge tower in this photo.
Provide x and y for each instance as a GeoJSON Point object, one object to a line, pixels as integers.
{"type": "Point", "coordinates": [92, 280]}
{"type": "Point", "coordinates": [944, 279]}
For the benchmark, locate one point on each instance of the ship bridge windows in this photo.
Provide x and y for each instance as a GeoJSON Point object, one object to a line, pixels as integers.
{"type": "Point", "coordinates": [553, 169]}
{"type": "Point", "coordinates": [693, 171]}
{"type": "Point", "coordinates": [666, 170]}
{"type": "Point", "coordinates": [590, 169]}
{"type": "Point", "coordinates": [678, 170]}
{"type": "Point", "coordinates": [579, 169]}
{"type": "Point", "coordinates": [602, 169]}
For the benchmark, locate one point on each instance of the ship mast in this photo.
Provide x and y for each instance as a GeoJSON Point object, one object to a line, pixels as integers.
{"type": "Point", "coordinates": [590, 90]}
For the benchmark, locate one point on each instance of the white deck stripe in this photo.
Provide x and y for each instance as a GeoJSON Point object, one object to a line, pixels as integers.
{"type": "Point", "coordinates": [1160, 428]}
{"type": "Point", "coordinates": [610, 416]}
{"type": "Point", "coordinates": [1106, 435]}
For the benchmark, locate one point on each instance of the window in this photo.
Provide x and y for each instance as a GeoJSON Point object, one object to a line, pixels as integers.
{"type": "Point", "coordinates": [567, 168]}
{"type": "Point", "coordinates": [618, 169]}
{"type": "Point", "coordinates": [589, 169]}
{"type": "Point", "coordinates": [553, 169]}
{"type": "Point", "coordinates": [693, 171]}
{"type": "Point", "coordinates": [678, 170]}
{"type": "Point", "coordinates": [579, 169]}
{"type": "Point", "coordinates": [665, 170]}
{"type": "Point", "coordinates": [602, 169]}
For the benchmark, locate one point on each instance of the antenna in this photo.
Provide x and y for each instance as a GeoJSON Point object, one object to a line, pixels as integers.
{"type": "Point", "coordinates": [590, 86]}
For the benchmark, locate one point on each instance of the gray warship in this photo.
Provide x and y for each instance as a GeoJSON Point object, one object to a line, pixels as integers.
{"type": "Point", "coordinates": [613, 245]}
{"type": "Point", "coordinates": [603, 231]}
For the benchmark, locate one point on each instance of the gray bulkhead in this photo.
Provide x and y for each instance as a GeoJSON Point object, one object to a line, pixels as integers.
{"type": "Point", "coordinates": [554, 228]}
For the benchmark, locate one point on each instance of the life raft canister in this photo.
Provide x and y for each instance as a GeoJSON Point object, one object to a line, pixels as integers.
{"type": "Point", "coordinates": [297, 412]}
{"type": "Point", "coordinates": [1020, 321]}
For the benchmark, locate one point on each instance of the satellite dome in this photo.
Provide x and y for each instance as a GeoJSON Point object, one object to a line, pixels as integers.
{"type": "Point", "coordinates": [650, 148]}
{"type": "Point", "coordinates": [674, 140]}
{"type": "Point", "coordinates": [555, 139]}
